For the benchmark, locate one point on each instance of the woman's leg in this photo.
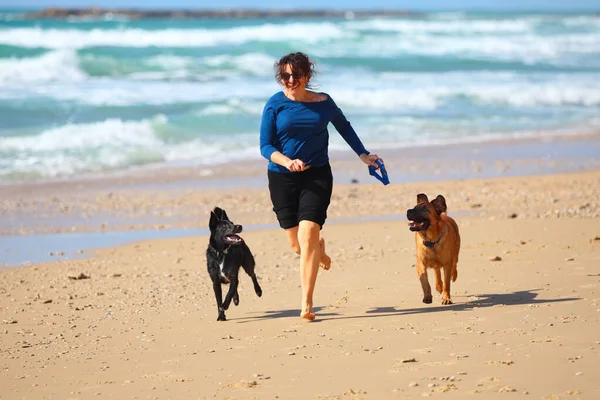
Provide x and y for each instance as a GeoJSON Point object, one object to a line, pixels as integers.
{"type": "Point", "coordinates": [310, 255]}
{"type": "Point", "coordinates": [325, 261]}
{"type": "Point", "coordinates": [292, 235]}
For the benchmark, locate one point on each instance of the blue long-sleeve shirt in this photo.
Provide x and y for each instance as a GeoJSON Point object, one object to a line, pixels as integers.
{"type": "Point", "coordinates": [299, 130]}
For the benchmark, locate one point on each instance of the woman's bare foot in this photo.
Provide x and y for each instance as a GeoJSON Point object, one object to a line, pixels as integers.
{"type": "Point", "coordinates": [325, 261]}
{"type": "Point", "coordinates": [308, 316]}
{"type": "Point", "coordinates": [306, 312]}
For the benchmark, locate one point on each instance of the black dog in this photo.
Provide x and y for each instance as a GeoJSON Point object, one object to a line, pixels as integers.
{"type": "Point", "coordinates": [225, 254]}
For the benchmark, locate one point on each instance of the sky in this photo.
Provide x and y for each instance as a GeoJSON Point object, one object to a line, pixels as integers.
{"type": "Point", "coordinates": [538, 5]}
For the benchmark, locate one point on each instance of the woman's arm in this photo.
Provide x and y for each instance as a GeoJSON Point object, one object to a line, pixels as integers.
{"type": "Point", "coordinates": [268, 135]}
{"type": "Point", "coordinates": [343, 126]}
{"type": "Point", "coordinates": [296, 165]}
{"type": "Point", "coordinates": [268, 132]}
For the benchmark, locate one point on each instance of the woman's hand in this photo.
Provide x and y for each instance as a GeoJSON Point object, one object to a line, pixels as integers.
{"type": "Point", "coordinates": [370, 159]}
{"type": "Point", "coordinates": [296, 165]}
{"type": "Point", "coordinates": [293, 165]}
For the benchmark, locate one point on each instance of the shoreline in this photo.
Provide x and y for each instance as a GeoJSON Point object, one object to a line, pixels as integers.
{"type": "Point", "coordinates": [228, 174]}
{"type": "Point", "coordinates": [33, 249]}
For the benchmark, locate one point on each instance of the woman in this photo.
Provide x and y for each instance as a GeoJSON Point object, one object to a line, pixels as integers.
{"type": "Point", "coordinates": [294, 138]}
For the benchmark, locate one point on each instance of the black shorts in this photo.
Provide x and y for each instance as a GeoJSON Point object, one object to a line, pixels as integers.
{"type": "Point", "coordinates": [298, 196]}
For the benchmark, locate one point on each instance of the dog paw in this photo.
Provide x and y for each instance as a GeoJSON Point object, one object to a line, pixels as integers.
{"type": "Point", "coordinates": [221, 318]}
{"type": "Point", "coordinates": [427, 300]}
{"type": "Point", "coordinates": [439, 288]}
{"type": "Point", "coordinates": [258, 291]}
{"type": "Point", "coordinates": [446, 301]}
{"type": "Point", "coordinates": [236, 302]}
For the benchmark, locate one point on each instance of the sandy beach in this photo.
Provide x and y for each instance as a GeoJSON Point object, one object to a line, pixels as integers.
{"type": "Point", "coordinates": [136, 319]}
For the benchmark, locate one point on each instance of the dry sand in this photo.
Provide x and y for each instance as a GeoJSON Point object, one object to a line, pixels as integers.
{"type": "Point", "coordinates": [139, 321]}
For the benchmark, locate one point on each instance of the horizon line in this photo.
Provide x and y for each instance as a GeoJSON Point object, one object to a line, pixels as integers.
{"type": "Point", "coordinates": [287, 9]}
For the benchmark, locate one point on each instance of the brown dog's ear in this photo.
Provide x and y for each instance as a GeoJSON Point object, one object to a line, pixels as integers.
{"type": "Point", "coordinates": [422, 198]}
{"type": "Point", "coordinates": [439, 203]}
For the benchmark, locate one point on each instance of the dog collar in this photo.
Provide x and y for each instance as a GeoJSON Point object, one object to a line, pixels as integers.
{"type": "Point", "coordinates": [218, 253]}
{"type": "Point", "coordinates": [383, 178]}
{"type": "Point", "coordinates": [431, 244]}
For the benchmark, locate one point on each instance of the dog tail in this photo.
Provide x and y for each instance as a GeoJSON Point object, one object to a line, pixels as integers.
{"type": "Point", "coordinates": [454, 272]}
{"type": "Point", "coordinates": [457, 249]}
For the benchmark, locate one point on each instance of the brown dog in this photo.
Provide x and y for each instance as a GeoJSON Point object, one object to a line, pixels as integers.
{"type": "Point", "coordinates": [438, 244]}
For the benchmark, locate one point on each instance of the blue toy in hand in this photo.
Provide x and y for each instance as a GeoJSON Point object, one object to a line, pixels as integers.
{"type": "Point", "coordinates": [383, 178]}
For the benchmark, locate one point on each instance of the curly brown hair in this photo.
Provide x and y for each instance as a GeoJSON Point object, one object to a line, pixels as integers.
{"type": "Point", "coordinates": [300, 64]}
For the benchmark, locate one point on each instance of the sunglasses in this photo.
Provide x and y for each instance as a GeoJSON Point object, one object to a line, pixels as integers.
{"type": "Point", "coordinates": [286, 76]}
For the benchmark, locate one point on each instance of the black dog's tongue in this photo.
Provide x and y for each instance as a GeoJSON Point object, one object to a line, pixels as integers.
{"type": "Point", "coordinates": [233, 239]}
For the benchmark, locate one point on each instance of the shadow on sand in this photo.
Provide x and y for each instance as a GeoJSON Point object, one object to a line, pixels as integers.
{"type": "Point", "coordinates": [481, 301]}
{"type": "Point", "coordinates": [285, 314]}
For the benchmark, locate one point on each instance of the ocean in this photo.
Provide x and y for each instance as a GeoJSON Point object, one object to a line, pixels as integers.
{"type": "Point", "coordinates": [95, 96]}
